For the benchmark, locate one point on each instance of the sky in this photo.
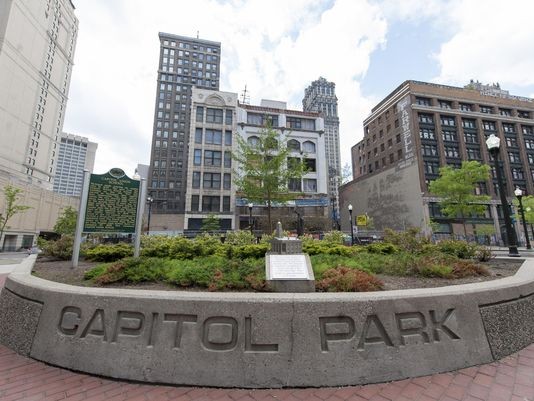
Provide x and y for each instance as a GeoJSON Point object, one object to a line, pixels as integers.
{"type": "Point", "coordinates": [277, 48]}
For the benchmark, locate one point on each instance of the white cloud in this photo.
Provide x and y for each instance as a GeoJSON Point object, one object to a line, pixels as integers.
{"type": "Point", "coordinates": [492, 43]}
{"type": "Point", "coordinates": [276, 48]}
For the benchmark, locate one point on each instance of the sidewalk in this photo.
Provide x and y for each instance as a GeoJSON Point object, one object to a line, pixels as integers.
{"type": "Point", "coordinates": [510, 379]}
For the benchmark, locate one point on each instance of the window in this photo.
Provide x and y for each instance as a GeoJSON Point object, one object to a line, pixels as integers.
{"type": "Point", "coordinates": [226, 203]}
{"type": "Point", "coordinates": [481, 188]}
{"type": "Point", "coordinates": [431, 167]}
{"type": "Point", "coordinates": [194, 203]}
{"type": "Point", "coordinates": [489, 125]}
{"type": "Point", "coordinates": [530, 157]}
{"type": "Point", "coordinates": [426, 118]}
{"type": "Point", "coordinates": [198, 135]}
{"type": "Point", "coordinates": [300, 123]}
{"type": "Point", "coordinates": [452, 152]}
{"type": "Point", "coordinates": [200, 114]}
{"type": "Point", "coordinates": [197, 158]}
{"type": "Point", "coordinates": [262, 119]}
{"type": "Point", "coordinates": [523, 114]}
{"type": "Point", "coordinates": [471, 137]}
{"type": "Point", "coordinates": [390, 143]}
{"type": "Point", "coordinates": [514, 157]}
{"type": "Point", "coordinates": [473, 154]}
{"type": "Point", "coordinates": [422, 101]}
{"type": "Point", "coordinates": [310, 165]}
{"type": "Point", "coordinates": [213, 137]}
{"type": "Point", "coordinates": [212, 157]}
{"type": "Point", "coordinates": [505, 112]}
{"type": "Point", "coordinates": [469, 123]}
{"type": "Point", "coordinates": [309, 184]}
{"type": "Point", "coordinates": [211, 181]}
{"type": "Point", "coordinates": [449, 136]}
{"type": "Point", "coordinates": [398, 138]}
{"type": "Point", "coordinates": [228, 138]}
{"type": "Point", "coordinates": [466, 107]}
{"type": "Point", "coordinates": [527, 129]}
{"type": "Point", "coordinates": [448, 121]}
{"type": "Point", "coordinates": [529, 143]}
{"type": "Point", "coordinates": [308, 147]}
{"type": "Point", "coordinates": [211, 203]}
{"type": "Point", "coordinates": [429, 150]}
{"type": "Point", "coordinates": [486, 109]}
{"type": "Point", "coordinates": [253, 141]}
{"type": "Point", "coordinates": [214, 116]}
{"type": "Point", "coordinates": [511, 142]}
{"type": "Point", "coordinates": [517, 173]}
{"type": "Point", "coordinates": [508, 128]}
{"type": "Point", "coordinates": [228, 117]}
{"type": "Point", "coordinates": [196, 179]}
{"type": "Point", "coordinates": [391, 158]}
{"type": "Point", "coordinates": [227, 159]}
{"type": "Point", "coordinates": [445, 104]}
{"type": "Point", "coordinates": [293, 145]}
{"type": "Point", "coordinates": [294, 185]}
{"type": "Point", "coordinates": [426, 133]}
{"type": "Point", "coordinates": [399, 154]}
{"type": "Point", "coordinates": [227, 181]}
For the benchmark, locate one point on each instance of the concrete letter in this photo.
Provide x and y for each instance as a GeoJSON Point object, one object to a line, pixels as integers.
{"type": "Point", "coordinates": [69, 320]}
{"type": "Point", "coordinates": [382, 336]}
{"type": "Point", "coordinates": [219, 333]}
{"type": "Point", "coordinates": [249, 346]}
{"type": "Point", "coordinates": [99, 319]}
{"type": "Point", "coordinates": [341, 329]}
{"type": "Point", "coordinates": [416, 322]}
{"type": "Point", "coordinates": [440, 325]}
{"type": "Point", "coordinates": [180, 320]}
{"type": "Point", "coordinates": [128, 324]}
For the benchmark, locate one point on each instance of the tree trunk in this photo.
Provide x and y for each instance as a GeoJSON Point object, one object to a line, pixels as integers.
{"type": "Point", "coordinates": [269, 216]}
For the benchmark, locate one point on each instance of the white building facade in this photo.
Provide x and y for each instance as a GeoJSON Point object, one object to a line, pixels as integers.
{"type": "Point", "coordinates": [76, 154]}
{"type": "Point", "coordinates": [37, 43]}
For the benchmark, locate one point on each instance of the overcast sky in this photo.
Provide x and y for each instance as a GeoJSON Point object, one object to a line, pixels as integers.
{"type": "Point", "coordinates": [277, 47]}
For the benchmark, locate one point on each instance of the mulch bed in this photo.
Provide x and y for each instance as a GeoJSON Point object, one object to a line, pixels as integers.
{"type": "Point", "coordinates": [62, 272]}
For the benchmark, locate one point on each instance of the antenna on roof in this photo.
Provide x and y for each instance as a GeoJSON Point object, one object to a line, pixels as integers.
{"type": "Point", "coordinates": [245, 97]}
{"type": "Point", "coordinates": [197, 34]}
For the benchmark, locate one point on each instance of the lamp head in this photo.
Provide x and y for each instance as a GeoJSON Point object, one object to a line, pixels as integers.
{"type": "Point", "coordinates": [250, 205]}
{"type": "Point", "coordinates": [518, 192]}
{"type": "Point", "coordinates": [350, 207]}
{"type": "Point", "coordinates": [493, 143]}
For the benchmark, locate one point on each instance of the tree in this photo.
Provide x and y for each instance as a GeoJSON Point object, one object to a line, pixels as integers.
{"type": "Point", "coordinates": [266, 168]}
{"type": "Point", "coordinates": [211, 223]}
{"type": "Point", "coordinates": [11, 207]}
{"type": "Point", "coordinates": [456, 188]}
{"type": "Point", "coordinates": [66, 222]}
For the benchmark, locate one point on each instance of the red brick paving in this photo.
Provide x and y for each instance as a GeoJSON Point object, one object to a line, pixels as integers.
{"type": "Point", "coordinates": [510, 379]}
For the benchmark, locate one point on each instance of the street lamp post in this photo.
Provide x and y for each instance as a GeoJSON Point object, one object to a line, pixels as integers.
{"type": "Point", "coordinates": [493, 143]}
{"type": "Point", "coordinates": [250, 217]}
{"type": "Point", "coordinates": [149, 199]}
{"type": "Point", "coordinates": [351, 225]}
{"type": "Point", "coordinates": [519, 195]}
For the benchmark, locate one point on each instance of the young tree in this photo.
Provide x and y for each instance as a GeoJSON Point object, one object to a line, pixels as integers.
{"type": "Point", "coordinates": [456, 188]}
{"type": "Point", "coordinates": [210, 223]}
{"type": "Point", "coordinates": [66, 222]}
{"type": "Point", "coordinates": [11, 207]}
{"type": "Point", "coordinates": [346, 173]}
{"type": "Point", "coordinates": [265, 169]}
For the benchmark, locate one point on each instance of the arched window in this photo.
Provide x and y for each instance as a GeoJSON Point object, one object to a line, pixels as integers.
{"type": "Point", "coordinates": [253, 140]}
{"type": "Point", "coordinates": [308, 147]}
{"type": "Point", "coordinates": [293, 145]}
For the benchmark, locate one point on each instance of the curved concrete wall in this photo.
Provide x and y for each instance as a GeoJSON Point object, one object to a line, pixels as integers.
{"type": "Point", "coordinates": [266, 340]}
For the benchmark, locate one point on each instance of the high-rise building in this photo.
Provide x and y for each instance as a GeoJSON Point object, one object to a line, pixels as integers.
{"type": "Point", "coordinates": [184, 63]}
{"type": "Point", "coordinates": [320, 97]}
{"type": "Point", "coordinates": [421, 127]}
{"type": "Point", "coordinates": [76, 154]}
{"type": "Point", "coordinates": [37, 42]}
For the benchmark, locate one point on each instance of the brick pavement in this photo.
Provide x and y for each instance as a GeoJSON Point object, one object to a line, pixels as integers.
{"type": "Point", "coordinates": [510, 379]}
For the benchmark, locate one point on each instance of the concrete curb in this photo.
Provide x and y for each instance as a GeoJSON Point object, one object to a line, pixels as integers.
{"type": "Point", "coordinates": [266, 340]}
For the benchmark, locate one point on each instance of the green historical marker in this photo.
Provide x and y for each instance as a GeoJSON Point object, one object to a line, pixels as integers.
{"type": "Point", "coordinates": [111, 203]}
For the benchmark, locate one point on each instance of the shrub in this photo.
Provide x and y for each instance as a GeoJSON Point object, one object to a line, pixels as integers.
{"type": "Point", "coordinates": [60, 249]}
{"type": "Point", "coordinates": [409, 240]}
{"type": "Point", "coordinates": [345, 279]}
{"type": "Point", "coordinates": [460, 249]}
{"type": "Point", "coordinates": [383, 248]}
{"type": "Point", "coordinates": [467, 268]}
{"type": "Point", "coordinates": [109, 252]}
{"type": "Point", "coordinates": [240, 238]}
{"type": "Point", "coordinates": [95, 272]}
{"type": "Point", "coordinates": [319, 247]}
{"type": "Point", "coordinates": [155, 246]}
{"type": "Point", "coordinates": [114, 272]}
{"type": "Point", "coordinates": [247, 251]}
{"type": "Point", "coordinates": [334, 237]}
{"type": "Point", "coordinates": [483, 254]}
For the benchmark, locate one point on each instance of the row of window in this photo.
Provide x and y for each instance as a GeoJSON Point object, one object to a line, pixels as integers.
{"type": "Point", "coordinates": [447, 104]}
{"type": "Point", "coordinates": [212, 158]}
{"type": "Point", "coordinates": [471, 124]}
{"type": "Point", "coordinates": [210, 203]}
{"type": "Point", "coordinates": [214, 116]}
{"type": "Point", "coordinates": [263, 120]}
{"type": "Point", "coordinates": [213, 137]}
{"type": "Point", "coordinates": [293, 145]}
{"type": "Point", "coordinates": [188, 46]}
{"type": "Point", "coordinates": [211, 180]}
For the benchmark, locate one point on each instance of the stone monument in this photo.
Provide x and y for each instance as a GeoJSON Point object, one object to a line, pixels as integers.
{"type": "Point", "coordinates": [287, 269]}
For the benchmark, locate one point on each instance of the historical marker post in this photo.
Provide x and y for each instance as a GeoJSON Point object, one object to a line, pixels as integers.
{"type": "Point", "coordinates": [109, 204]}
